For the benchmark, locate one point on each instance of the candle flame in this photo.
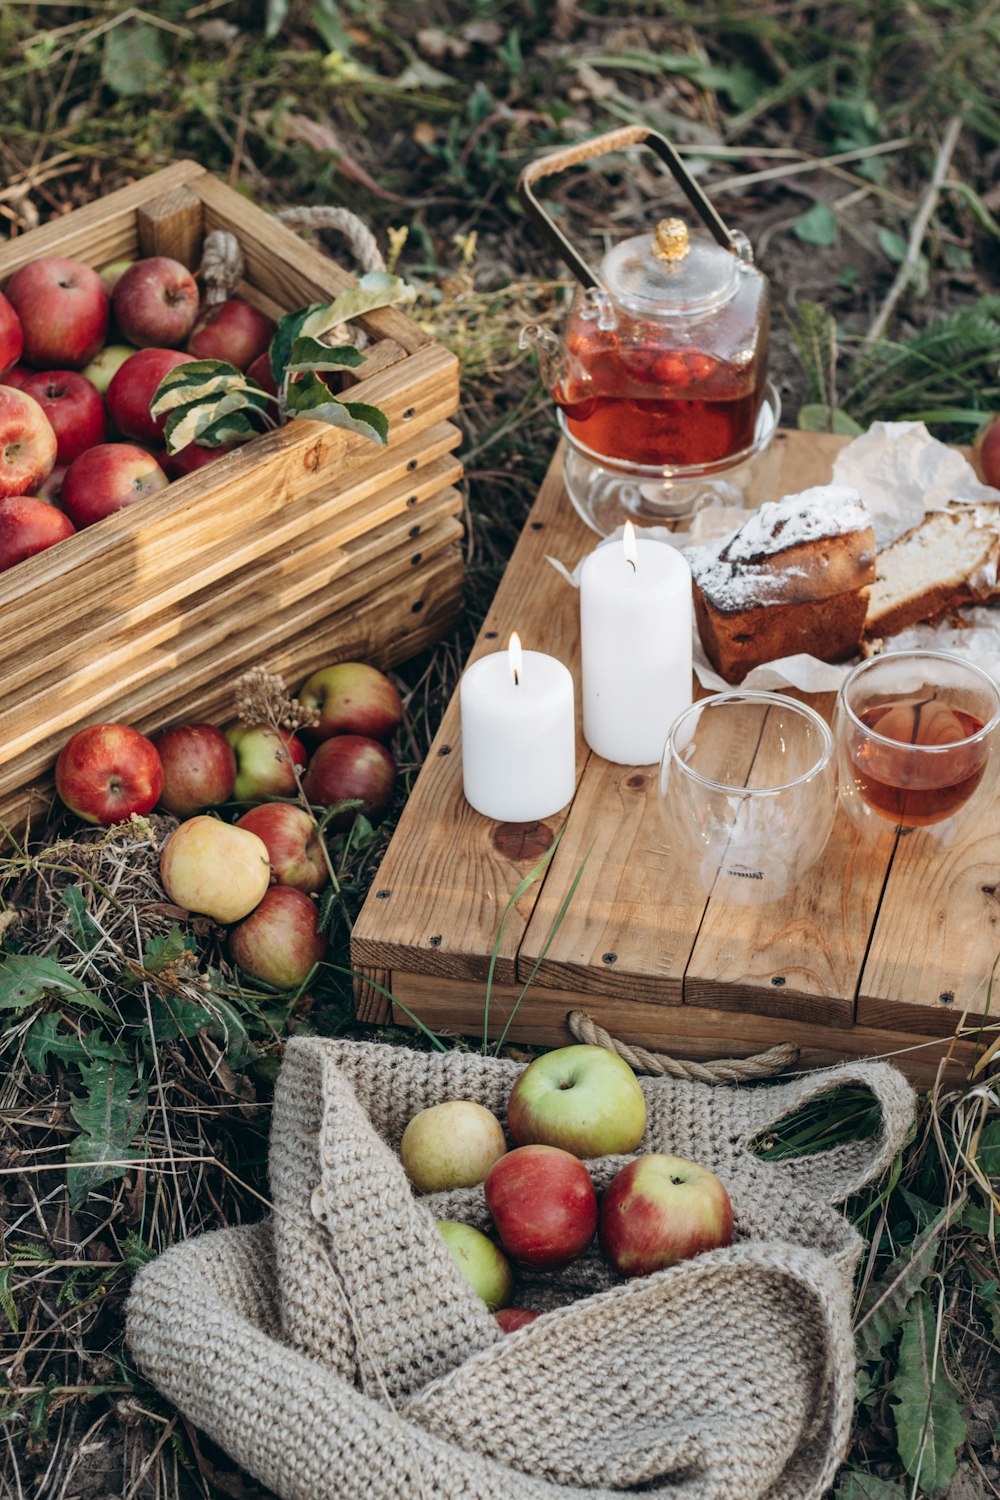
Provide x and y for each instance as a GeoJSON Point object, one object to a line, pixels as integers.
{"type": "Point", "coordinates": [629, 546]}
{"type": "Point", "coordinates": [514, 657]}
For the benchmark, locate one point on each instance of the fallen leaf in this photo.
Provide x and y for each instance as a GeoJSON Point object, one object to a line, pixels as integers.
{"type": "Point", "coordinates": [323, 138]}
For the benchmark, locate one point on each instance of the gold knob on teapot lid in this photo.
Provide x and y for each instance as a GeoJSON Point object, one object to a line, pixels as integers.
{"type": "Point", "coordinates": [670, 241]}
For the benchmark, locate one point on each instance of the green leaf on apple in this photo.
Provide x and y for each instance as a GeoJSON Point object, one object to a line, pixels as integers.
{"type": "Point", "coordinates": [198, 422]}
{"type": "Point", "coordinates": [310, 354]}
{"type": "Point", "coordinates": [309, 397]}
{"type": "Point", "coordinates": [26, 978]}
{"type": "Point", "coordinates": [109, 1115]}
{"type": "Point", "coordinates": [373, 290]}
{"type": "Point", "coordinates": [197, 380]}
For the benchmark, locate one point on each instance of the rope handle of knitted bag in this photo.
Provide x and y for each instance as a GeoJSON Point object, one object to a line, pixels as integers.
{"type": "Point", "coordinates": [832, 1175]}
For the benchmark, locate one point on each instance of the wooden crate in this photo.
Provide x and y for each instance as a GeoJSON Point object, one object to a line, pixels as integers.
{"type": "Point", "coordinates": [306, 546]}
{"type": "Point", "coordinates": [875, 953]}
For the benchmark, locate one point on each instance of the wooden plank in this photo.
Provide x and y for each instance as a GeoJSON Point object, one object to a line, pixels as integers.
{"type": "Point", "coordinates": [449, 870]}
{"type": "Point", "coordinates": [171, 225]}
{"type": "Point", "coordinates": [451, 1007]}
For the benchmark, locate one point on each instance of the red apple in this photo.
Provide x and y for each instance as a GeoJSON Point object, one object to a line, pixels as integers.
{"type": "Point", "coordinates": [27, 443]}
{"type": "Point", "coordinates": [199, 768]}
{"type": "Point", "coordinates": [662, 1209]}
{"type": "Point", "coordinates": [106, 772]}
{"type": "Point", "coordinates": [279, 943]}
{"type": "Point", "coordinates": [260, 371]}
{"type": "Point", "coordinates": [543, 1204]}
{"type": "Point", "coordinates": [211, 867]}
{"type": "Point", "coordinates": [17, 375]}
{"type": "Point", "coordinates": [74, 409]}
{"type": "Point", "coordinates": [294, 845]}
{"type": "Point", "coordinates": [234, 330]}
{"type": "Point", "coordinates": [11, 336]}
{"type": "Point", "coordinates": [511, 1319]}
{"type": "Point", "coordinates": [352, 698]}
{"type": "Point", "coordinates": [132, 389]}
{"type": "Point", "coordinates": [63, 308]}
{"type": "Point", "coordinates": [350, 766]}
{"type": "Point", "coordinates": [51, 488]}
{"type": "Point", "coordinates": [193, 457]}
{"type": "Point", "coordinates": [988, 450]}
{"type": "Point", "coordinates": [28, 525]}
{"type": "Point", "coordinates": [584, 1099]}
{"type": "Point", "coordinates": [266, 761]}
{"type": "Point", "coordinates": [155, 302]}
{"type": "Point", "coordinates": [107, 478]}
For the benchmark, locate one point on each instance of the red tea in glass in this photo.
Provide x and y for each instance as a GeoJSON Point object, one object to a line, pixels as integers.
{"type": "Point", "coordinates": [906, 787]}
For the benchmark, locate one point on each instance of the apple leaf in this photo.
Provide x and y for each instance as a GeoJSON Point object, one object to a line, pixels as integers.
{"type": "Point", "coordinates": [197, 422]}
{"type": "Point", "coordinates": [309, 397]}
{"type": "Point", "coordinates": [109, 1114]}
{"type": "Point", "coordinates": [930, 1427]}
{"type": "Point", "coordinates": [310, 354]}
{"type": "Point", "coordinates": [196, 381]}
{"type": "Point", "coordinates": [374, 290]}
{"type": "Point", "coordinates": [26, 978]}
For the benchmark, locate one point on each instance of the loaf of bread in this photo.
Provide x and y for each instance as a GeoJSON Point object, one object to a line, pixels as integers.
{"type": "Point", "coordinates": [951, 558]}
{"type": "Point", "coordinates": [794, 578]}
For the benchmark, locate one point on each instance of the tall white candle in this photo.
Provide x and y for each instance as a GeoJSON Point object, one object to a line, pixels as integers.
{"type": "Point", "coordinates": [635, 636]}
{"type": "Point", "coordinates": [518, 735]}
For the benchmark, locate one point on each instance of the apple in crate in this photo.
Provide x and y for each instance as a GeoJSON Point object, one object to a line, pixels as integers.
{"type": "Point", "coordinates": [543, 1204]}
{"type": "Point", "coordinates": [51, 488]}
{"type": "Point", "coordinates": [450, 1145]}
{"type": "Point", "coordinates": [17, 375]}
{"type": "Point", "coordinates": [584, 1099]}
{"type": "Point", "coordinates": [113, 272]}
{"type": "Point", "coordinates": [199, 768]}
{"type": "Point", "coordinates": [346, 768]}
{"type": "Point", "coordinates": [74, 407]}
{"type": "Point", "coordinates": [233, 330]}
{"type": "Point", "coordinates": [485, 1268]}
{"type": "Point", "coordinates": [108, 478]}
{"type": "Point", "coordinates": [27, 443]}
{"type": "Point", "coordinates": [132, 389]}
{"type": "Point", "coordinates": [188, 460]}
{"type": "Point", "coordinates": [107, 772]}
{"type": "Point", "coordinates": [106, 363]}
{"type": "Point", "coordinates": [266, 761]}
{"type": "Point", "coordinates": [279, 943]}
{"type": "Point", "coordinates": [29, 524]}
{"type": "Point", "coordinates": [214, 868]}
{"type": "Point", "coordinates": [64, 311]}
{"type": "Point", "coordinates": [510, 1319]}
{"type": "Point", "coordinates": [294, 844]}
{"type": "Point", "coordinates": [352, 698]}
{"type": "Point", "coordinates": [11, 336]}
{"type": "Point", "coordinates": [155, 302]}
{"type": "Point", "coordinates": [660, 1210]}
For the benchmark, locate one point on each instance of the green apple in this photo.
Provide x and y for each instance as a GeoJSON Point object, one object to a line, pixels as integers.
{"type": "Point", "coordinates": [214, 868]}
{"type": "Point", "coordinates": [485, 1268]}
{"type": "Point", "coordinates": [584, 1099]}
{"type": "Point", "coordinates": [451, 1145]}
{"type": "Point", "coordinates": [265, 762]}
{"type": "Point", "coordinates": [112, 273]}
{"type": "Point", "coordinates": [106, 363]}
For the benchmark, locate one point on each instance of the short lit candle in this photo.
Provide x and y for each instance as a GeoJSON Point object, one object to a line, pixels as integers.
{"type": "Point", "coordinates": [518, 735]}
{"type": "Point", "coordinates": [635, 637]}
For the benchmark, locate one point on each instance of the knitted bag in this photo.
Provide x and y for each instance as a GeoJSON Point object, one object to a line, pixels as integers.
{"type": "Point", "coordinates": [336, 1352]}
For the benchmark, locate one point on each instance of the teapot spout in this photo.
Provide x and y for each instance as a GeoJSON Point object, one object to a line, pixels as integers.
{"type": "Point", "coordinates": [551, 352]}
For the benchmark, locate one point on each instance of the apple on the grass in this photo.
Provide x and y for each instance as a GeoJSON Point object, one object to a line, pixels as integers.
{"type": "Point", "coordinates": [75, 409]}
{"type": "Point", "coordinates": [106, 363]}
{"type": "Point", "coordinates": [543, 1204]}
{"type": "Point", "coordinates": [348, 767]}
{"type": "Point", "coordinates": [63, 308]}
{"type": "Point", "coordinates": [27, 443]}
{"type": "Point", "coordinates": [352, 698]}
{"type": "Point", "coordinates": [294, 844]}
{"type": "Point", "coordinates": [660, 1210]}
{"type": "Point", "coordinates": [214, 868]}
{"type": "Point", "coordinates": [266, 762]}
{"type": "Point", "coordinates": [233, 330]}
{"type": "Point", "coordinates": [279, 943]}
{"type": "Point", "coordinates": [485, 1268]}
{"type": "Point", "coordinates": [155, 302]}
{"type": "Point", "coordinates": [132, 389]}
{"type": "Point", "coordinates": [199, 768]}
{"type": "Point", "coordinates": [11, 336]}
{"type": "Point", "coordinates": [108, 478]}
{"type": "Point", "coordinates": [584, 1099]}
{"type": "Point", "coordinates": [451, 1145]}
{"type": "Point", "coordinates": [510, 1319]}
{"type": "Point", "coordinates": [107, 772]}
{"type": "Point", "coordinates": [29, 524]}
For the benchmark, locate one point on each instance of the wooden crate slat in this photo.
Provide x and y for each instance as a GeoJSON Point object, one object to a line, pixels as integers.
{"type": "Point", "coordinates": [171, 225]}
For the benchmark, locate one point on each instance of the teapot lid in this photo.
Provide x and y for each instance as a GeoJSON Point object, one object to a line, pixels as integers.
{"type": "Point", "coordinates": [672, 274]}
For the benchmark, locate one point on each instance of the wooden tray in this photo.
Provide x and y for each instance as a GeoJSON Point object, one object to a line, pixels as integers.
{"type": "Point", "coordinates": [877, 952]}
{"type": "Point", "coordinates": [306, 546]}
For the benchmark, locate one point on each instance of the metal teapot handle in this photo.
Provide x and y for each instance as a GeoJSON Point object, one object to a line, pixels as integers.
{"type": "Point", "coordinates": [602, 145]}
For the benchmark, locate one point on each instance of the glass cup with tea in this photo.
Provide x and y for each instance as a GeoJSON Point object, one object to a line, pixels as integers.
{"type": "Point", "coordinates": [916, 735]}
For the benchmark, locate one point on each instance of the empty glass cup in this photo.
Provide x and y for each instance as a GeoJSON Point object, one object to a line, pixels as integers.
{"type": "Point", "coordinates": [748, 792]}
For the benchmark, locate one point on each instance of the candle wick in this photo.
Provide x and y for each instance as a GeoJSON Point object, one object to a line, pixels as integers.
{"type": "Point", "coordinates": [631, 563]}
{"type": "Point", "coordinates": [517, 678]}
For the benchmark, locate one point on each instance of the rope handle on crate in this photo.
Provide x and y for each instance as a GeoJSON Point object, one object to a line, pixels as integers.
{"type": "Point", "coordinates": [725, 1070]}
{"type": "Point", "coordinates": [222, 262]}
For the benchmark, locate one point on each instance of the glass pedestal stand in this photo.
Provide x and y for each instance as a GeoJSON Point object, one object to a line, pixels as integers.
{"type": "Point", "coordinates": [607, 492]}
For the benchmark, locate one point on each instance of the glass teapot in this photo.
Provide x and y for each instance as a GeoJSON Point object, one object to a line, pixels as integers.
{"type": "Point", "coordinates": [661, 380]}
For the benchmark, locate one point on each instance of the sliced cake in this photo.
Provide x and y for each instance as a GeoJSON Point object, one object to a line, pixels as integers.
{"type": "Point", "coordinates": [951, 558]}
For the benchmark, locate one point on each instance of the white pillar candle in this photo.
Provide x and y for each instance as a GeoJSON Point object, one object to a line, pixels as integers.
{"type": "Point", "coordinates": [635, 636]}
{"type": "Point", "coordinates": [518, 735]}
